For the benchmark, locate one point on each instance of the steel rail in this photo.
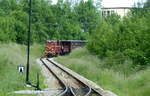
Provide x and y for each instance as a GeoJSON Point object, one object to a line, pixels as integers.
{"type": "Point", "coordinates": [72, 91]}
{"type": "Point", "coordinates": [89, 88]}
{"type": "Point", "coordinates": [92, 90]}
{"type": "Point", "coordinates": [59, 80]}
{"type": "Point", "coordinates": [97, 92]}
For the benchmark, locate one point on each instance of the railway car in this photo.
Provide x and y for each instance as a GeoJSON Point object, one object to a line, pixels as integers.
{"type": "Point", "coordinates": [61, 47]}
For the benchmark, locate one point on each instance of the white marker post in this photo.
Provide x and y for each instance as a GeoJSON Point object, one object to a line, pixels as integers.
{"type": "Point", "coordinates": [20, 69]}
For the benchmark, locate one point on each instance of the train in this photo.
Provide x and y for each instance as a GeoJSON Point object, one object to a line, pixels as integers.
{"type": "Point", "coordinates": [54, 48]}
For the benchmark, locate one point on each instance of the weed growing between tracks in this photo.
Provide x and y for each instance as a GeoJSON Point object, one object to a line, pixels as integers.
{"type": "Point", "coordinates": [123, 79]}
{"type": "Point", "coordinates": [12, 55]}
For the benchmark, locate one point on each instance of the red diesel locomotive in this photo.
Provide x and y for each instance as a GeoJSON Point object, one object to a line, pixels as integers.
{"type": "Point", "coordinates": [62, 47]}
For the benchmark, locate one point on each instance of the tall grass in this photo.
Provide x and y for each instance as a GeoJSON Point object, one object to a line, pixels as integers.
{"type": "Point", "coordinates": [122, 79]}
{"type": "Point", "coordinates": [11, 56]}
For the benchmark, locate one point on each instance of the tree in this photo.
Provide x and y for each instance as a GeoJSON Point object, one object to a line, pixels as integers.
{"type": "Point", "coordinates": [147, 4]}
{"type": "Point", "coordinates": [87, 15]}
{"type": "Point", "coordinates": [61, 21]}
{"type": "Point", "coordinates": [7, 32]}
{"type": "Point", "coordinates": [129, 36]}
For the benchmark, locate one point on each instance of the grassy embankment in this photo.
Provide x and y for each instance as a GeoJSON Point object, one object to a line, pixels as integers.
{"type": "Point", "coordinates": [12, 55]}
{"type": "Point", "coordinates": [122, 79]}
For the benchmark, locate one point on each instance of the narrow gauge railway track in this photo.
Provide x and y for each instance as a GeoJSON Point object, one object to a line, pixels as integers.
{"type": "Point", "coordinates": [62, 84]}
{"type": "Point", "coordinates": [72, 86]}
{"type": "Point", "coordinates": [82, 89]}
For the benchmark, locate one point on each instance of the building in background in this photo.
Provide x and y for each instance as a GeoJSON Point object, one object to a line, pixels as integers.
{"type": "Point", "coordinates": [122, 11]}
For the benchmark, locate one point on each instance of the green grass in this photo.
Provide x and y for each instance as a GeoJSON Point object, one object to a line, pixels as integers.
{"type": "Point", "coordinates": [12, 55]}
{"type": "Point", "coordinates": [122, 79]}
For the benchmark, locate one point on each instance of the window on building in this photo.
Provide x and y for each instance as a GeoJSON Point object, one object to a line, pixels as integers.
{"type": "Point", "coordinates": [112, 11]}
{"type": "Point", "coordinates": [103, 13]}
{"type": "Point", "coordinates": [108, 13]}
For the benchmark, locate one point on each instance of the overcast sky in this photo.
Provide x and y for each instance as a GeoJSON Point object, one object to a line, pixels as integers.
{"type": "Point", "coordinates": [116, 3]}
{"type": "Point", "coordinates": [119, 3]}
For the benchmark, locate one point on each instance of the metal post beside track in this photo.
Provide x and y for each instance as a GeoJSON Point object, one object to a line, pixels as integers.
{"type": "Point", "coordinates": [28, 47]}
{"type": "Point", "coordinates": [38, 82]}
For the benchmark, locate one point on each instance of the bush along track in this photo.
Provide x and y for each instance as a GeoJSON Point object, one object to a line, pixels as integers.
{"type": "Point", "coordinates": [12, 55]}
{"type": "Point", "coordinates": [121, 79]}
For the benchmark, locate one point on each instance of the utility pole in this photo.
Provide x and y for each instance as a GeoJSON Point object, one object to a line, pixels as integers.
{"type": "Point", "coordinates": [28, 47]}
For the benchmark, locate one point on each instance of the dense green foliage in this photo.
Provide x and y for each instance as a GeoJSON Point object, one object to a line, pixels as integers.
{"type": "Point", "coordinates": [121, 79]}
{"type": "Point", "coordinates": [64, 20]}
{"type": "Point", "coordinates": [121, 45]}
{"type": "Point", "coordinates": [124, 38]}
{"type": "Point", "coordinates": [13, 55]}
